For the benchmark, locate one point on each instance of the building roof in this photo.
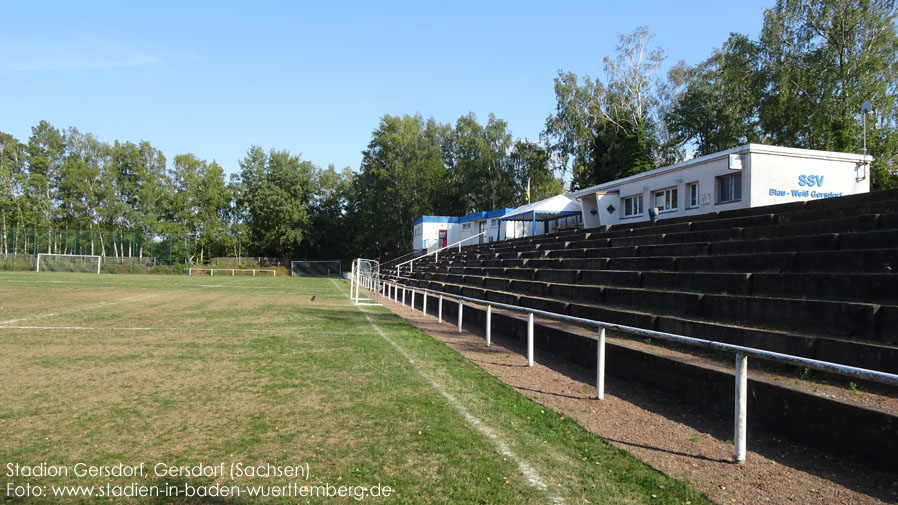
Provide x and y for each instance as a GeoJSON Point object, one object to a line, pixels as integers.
{"type": "Point", "coordinates": [550, 208]}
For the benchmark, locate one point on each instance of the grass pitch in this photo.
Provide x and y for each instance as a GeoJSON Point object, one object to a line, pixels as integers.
{"type": "Point", "coordinates": [113, 371]}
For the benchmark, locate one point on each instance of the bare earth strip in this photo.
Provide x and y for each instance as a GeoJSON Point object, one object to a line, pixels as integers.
{"type": "Point", "coordinates": [675, 438]}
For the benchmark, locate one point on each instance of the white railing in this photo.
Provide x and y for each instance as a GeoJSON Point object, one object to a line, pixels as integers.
{"type": "Point", "coordinates": [742, 353]}
{"type": "Point", "coordinates": [411, 262]}
{"type": "Point", "coordinates": [232, 270]}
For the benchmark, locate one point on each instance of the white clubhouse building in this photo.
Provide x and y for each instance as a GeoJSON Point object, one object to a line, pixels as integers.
{"type": "Point", "coordinates": [752, 175]}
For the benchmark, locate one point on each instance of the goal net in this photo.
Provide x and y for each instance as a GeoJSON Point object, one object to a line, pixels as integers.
{"type": "Point", "coordinates": [47, 262]}
{"type": "Point", "coordinates": [319, 268]}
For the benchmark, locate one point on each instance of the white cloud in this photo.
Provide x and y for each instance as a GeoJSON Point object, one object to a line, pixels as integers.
{"type": "Point", "coordinates": [80, 54]}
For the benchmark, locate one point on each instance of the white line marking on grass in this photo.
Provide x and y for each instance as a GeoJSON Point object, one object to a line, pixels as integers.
{"type": "Point", "coordinates": [533, 477]}
{"type": "Point", "coordinates": [82, 309]}
{"type": "Point", "coordinates": [140, 328]}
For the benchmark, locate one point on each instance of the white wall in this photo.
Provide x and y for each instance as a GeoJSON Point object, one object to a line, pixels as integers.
{"type": "Point", "coordinates": [704, 173]}
{"type": "Point", "coordinates": [778, 178]}
{"type": "Point", "coordinates": [430, 234]}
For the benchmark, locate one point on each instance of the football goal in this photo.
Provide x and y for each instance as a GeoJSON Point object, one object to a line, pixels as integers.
{"type": "Point", "coordinates": [48, 262]}
{"type": "Point", "coordinates": [317, 268]}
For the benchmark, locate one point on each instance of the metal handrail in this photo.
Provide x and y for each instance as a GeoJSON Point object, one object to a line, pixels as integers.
{"type": "Point", "coordinates": [742, 352]}
{"type": "Point", "coordinates": [437, 252]}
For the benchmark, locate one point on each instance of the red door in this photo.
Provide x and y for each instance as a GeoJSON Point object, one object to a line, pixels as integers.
{"type": "Point", "coordinates": [443, 238]}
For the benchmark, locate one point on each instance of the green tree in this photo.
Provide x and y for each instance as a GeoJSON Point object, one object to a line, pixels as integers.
{"type": "Point", "coordinates": [13, 159]}
{"type": "Point", "coordinates": [201, 203]}
{"type": "Point", "coordinates": [529, 162]}
{"type": "Point", "coordinates": [824, 58]}
{"type": "Point", "coordinates": [402, 176]}
{"type": "Point", "coordinates": [80, 189]}
{"type": "Point", "coordinates": [474, 156]}
{"type": "Point", "coordinates": [718, 108]}
{"type": "Point", "coordinates": [277, 191]}
{"type": "Point", "coordinates": [46, 154]}
{"type": "Point", "coordinates": [330, 230]}
{"type": "Point", "coordinates": [604, 132]}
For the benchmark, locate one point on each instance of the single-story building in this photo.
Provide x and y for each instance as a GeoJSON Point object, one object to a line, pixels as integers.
{"type": "Point", "coordinates": [433, 232]}
{"type": "Point", "coordinates": [752, 175]}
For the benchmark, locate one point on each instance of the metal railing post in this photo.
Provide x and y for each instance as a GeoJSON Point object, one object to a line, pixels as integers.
{"type": "Point", "coordinates": [741, 420]}
{"type": "Point", "coordinates": [412, 304]}
{"type": "Point", "coordinates": [403, 296]}
{"type": "Point", "coordinates": [461, 306]}
{"type": "Point", "coordinates": [600, 365]}
{"type": "Point", "coordinates": [440, 310]}
{"type": "Point", "coordinates": [530, 339]}
{"type": "Point", "coordinates": [424, 308]}
{"type": "Point", "coordinates": [489, 325]}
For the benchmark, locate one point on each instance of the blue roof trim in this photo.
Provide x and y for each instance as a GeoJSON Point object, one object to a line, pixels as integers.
{"type": "Point", "coordinates": [476, 216]}
{"type": "Point", "coordinates": [434, 219]}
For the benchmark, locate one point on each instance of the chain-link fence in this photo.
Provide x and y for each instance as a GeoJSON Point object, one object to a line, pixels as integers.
{"type": "Point", "coordinates": [120, 252]}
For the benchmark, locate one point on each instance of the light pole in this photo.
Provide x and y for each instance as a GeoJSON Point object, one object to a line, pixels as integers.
{"type": "Point", "coordinates": [866, 108]}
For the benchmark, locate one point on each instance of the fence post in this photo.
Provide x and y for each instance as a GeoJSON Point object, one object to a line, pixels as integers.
{"type": "Point", "coordinates": [424, 305]}
{"type": "Point", "coordinates": [489, 323]}
{"type": "Point", "coordinates": [461, 306]}
{"type": "Point", "coordinates": [600, 365]}
{"type": "Point", "coordinates": [741, 407]}
{"type": "Point", "coordinates": [440, 310]}
{"type": "Point", "coordinates": [403, 296]}
{"type": "Point", "coordinates": [530, 339]}
{"type": "Point", "coordinates": [412, 303]}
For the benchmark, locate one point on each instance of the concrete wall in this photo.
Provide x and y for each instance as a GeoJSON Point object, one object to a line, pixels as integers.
{"type": "Point", "coordinates": [782, 178]}
{"type": "Point", "coordinates": [426, 233]}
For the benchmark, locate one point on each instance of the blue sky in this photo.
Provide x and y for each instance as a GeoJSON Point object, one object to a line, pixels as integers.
{"type": "Point", "coordinates": [315, 77]}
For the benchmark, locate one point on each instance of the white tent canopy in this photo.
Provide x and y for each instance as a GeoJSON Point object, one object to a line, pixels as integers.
{"type": "Point", "coordinates": [550, 208]}
{"type": "Point", "coordinates": [557, 207]}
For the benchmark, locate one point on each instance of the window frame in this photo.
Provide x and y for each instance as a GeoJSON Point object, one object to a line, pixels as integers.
{"type": "Point", "coordinates": [625, 206]}
{"type": "Point", "coordinates": [670, 195]}
{"type": "Point", "coordinates": [695, 196]}
{"type": "Point", "coordinates": [726, 179]}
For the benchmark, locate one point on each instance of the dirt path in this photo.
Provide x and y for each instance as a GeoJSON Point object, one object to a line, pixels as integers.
{"type": "Point", "coordinates": [672, 437]}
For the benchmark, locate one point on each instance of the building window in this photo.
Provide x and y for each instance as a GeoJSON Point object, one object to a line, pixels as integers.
{"type": "Point", "coordinates": [729, 188]}
{"type": "Point", "coordinates": [494, 223]}
{"type": "Point", "coordinates": [666, 199]}
{"type": "Point", "coordinates": [632, 206]}
{"type": "Point", "coordinates": [693, 195]}
{"type": "Point", "coordinates": [465, 226]}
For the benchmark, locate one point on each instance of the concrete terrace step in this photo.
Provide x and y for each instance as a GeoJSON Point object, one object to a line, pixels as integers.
{"type": "Point", "coordinates": [848, 320]}
{"type": "Point", "coordinates": [867, 288]}
{"type": "Point", "coordinates": [878, 239]}
{"type": "Point", "coordinates": [768, 221]}
{"type": "Point", "coordinates": [802, 342]}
